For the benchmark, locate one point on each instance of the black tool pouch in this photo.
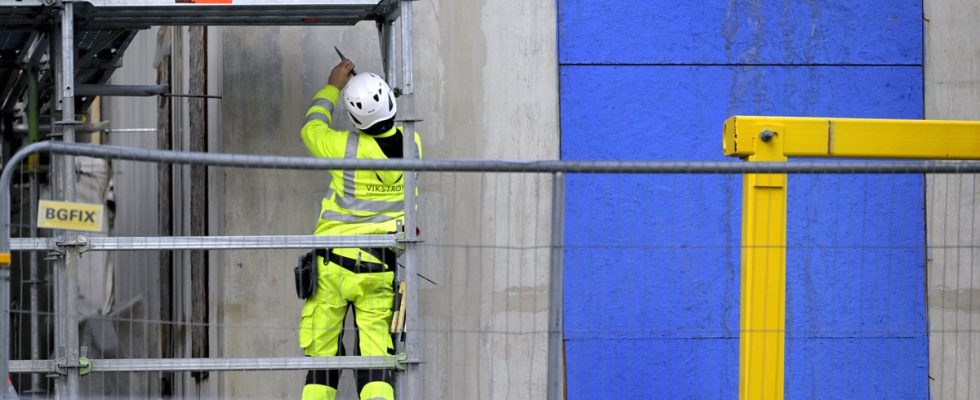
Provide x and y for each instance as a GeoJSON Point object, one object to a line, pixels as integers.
{"type": "Point", "coordinates": [305, 274]}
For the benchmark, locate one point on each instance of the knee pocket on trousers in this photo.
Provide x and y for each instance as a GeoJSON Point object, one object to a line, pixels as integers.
{"type": "Point", "coordinates": [308, 325]}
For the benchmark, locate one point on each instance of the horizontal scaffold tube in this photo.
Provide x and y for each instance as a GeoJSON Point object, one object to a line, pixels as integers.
{"type": "Point", "coordinates": [207, 242]}
{"type": "Point", "coordinates": [216, 364]}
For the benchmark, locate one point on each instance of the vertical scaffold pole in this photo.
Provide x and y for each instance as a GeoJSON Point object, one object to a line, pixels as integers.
{"type": "Point", "coordinates": [33, 165]}
{"type": "Point", "coordinates": [57, 192]}
{"type": "Point", "coordinates": [4, 320]}
{"type": "Point", "coordinates": [70, 288]}
{"type": "Point", "coordinates": [71, 253]}
{"type": "Point", "coordinates": [409, 383]}
{"type": "Point", "coordinates": [389, 51]}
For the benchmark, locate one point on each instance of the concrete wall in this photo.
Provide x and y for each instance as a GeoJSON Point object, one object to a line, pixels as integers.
{"type": "Point", "coordinates": [652, 262]}
{"type": "Point", "coordinates": [952, 79]}
{"type": "Point", "coordinates": [487, 88]}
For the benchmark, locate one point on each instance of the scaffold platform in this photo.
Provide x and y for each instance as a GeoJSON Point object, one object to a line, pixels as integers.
{"type": "Point", "coordinates": [140, 14]}
{"type": "Point", "coordinates": [104, 29]}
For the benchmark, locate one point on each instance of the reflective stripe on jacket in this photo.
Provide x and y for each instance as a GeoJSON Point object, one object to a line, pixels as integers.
{"type": "Point", "coordinates": [356, 202]}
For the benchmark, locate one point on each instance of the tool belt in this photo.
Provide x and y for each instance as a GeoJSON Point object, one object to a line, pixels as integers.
{"type": "Point", "coordinates": [305, 275]}
{"type": "Point", "coordinates": [387, 256]}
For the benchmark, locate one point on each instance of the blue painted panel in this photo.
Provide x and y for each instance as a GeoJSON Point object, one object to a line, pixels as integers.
{"type": "Point", "coordinates": [677, 112]}
{"type": "Point", "coordinates": [740, 32]}
{"type": "Point", "coordinates": [666, 267]}
{"type": "Point", "coordinates": [708, 369]}
{"type": "Point", "coordinates": [652, 369]}
{"type": "Point", "coordinates": [857, 368]}
{"type": "Point", "coordinates": [652, 261]}
{"type": "Point", "coordinates": [855, 257]}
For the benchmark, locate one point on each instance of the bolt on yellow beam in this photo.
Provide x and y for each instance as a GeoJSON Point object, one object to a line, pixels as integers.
{"type": "Point", "coordinates": [858, 138]}
{"type": "Point", "coordinates": [762, 334]}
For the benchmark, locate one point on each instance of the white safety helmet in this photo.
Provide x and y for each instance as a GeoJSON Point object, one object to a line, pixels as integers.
{"type": "Point", "coordinates": [369, 100]}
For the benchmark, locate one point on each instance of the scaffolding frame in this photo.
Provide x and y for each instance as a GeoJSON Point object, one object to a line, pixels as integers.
{"type": "Point", "coordinates": [121, 18]}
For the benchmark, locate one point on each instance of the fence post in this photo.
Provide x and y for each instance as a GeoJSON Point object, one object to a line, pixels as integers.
{"type": "Point", "coordinates": [556, 343]}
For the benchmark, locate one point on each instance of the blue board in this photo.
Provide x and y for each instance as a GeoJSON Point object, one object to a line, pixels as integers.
{"type": "Point", "coordinates": [652, 262]}
{"type": "Point", "coordinates": [826, 32]}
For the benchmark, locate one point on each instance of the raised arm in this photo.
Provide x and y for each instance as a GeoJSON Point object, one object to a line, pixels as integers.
{"type": "Point", "coordinates": [317, 132]}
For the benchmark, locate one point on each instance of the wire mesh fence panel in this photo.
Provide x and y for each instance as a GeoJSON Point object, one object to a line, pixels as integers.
{"type": "Point", "coordinates": [31, 302]}
{"type": "Point", "coordinates": [651, 279]}
{"type": "Point", "coordinates": [953, 285]}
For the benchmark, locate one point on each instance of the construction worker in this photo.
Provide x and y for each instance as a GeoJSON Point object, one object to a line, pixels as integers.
{"type": "Point", "coordinates": [358, 202]}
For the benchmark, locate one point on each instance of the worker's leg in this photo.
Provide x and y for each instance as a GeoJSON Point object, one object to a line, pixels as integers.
{"type": "Point", "coordinates": [321, 330]}
{"type": "Point", "coordinates": [312, 391]}
{"type": "Point", "coordinates": [372, 313]}
{"type": "Point", "coordinates": [321, 384]}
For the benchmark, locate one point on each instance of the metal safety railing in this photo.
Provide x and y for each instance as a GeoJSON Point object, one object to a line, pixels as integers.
{"type": "Point", "coordinates": [558, 168]}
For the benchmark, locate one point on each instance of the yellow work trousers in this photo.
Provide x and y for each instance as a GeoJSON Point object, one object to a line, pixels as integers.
{"type": "Point", "coordinates": [322, 322]}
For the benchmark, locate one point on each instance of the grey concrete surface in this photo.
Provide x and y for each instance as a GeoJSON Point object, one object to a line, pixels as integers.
{"type": "Point", "coordinates": [487, 87]}
{"type": "Point", "coordinates": [952, 89]}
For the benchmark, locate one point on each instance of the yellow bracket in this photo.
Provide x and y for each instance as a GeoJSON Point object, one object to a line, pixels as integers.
{"type": "Point", "coordinates": [5, 259]}
{"type": "Point", "coordinates": [773, 139]}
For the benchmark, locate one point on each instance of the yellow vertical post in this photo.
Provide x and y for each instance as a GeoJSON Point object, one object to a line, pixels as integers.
{"type": "Point", "coordinates": [763, 309]}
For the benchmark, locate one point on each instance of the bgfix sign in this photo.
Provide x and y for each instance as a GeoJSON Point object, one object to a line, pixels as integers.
{"type": "Point", "coordinates": [70, 216]}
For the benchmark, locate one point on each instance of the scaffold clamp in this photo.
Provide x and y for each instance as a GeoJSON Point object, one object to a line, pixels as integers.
{"type": "Point", "coordinates": [79, 242]}
{"type": "Point", "coordinates": [84, 366]}
{"type": "Point", "coordinates": [401, 237]}
{"type": "Point", "coordinates": [401, 360]}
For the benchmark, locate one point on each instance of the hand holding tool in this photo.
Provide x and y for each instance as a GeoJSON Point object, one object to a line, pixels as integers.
{"type": "Point", "coordinates": [343, 58]}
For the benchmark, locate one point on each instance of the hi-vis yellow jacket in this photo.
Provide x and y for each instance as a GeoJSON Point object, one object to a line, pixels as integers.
{"type": "Point", "coordinates": [357, 202]}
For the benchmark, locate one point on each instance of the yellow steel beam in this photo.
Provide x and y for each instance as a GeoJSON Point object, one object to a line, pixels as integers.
{"type": "Point", "coordinates": [762, 332]}
{"type": "Point", "coordinates": [763, 308]}
{"type": "Point", "coordinates": [862, 138]}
